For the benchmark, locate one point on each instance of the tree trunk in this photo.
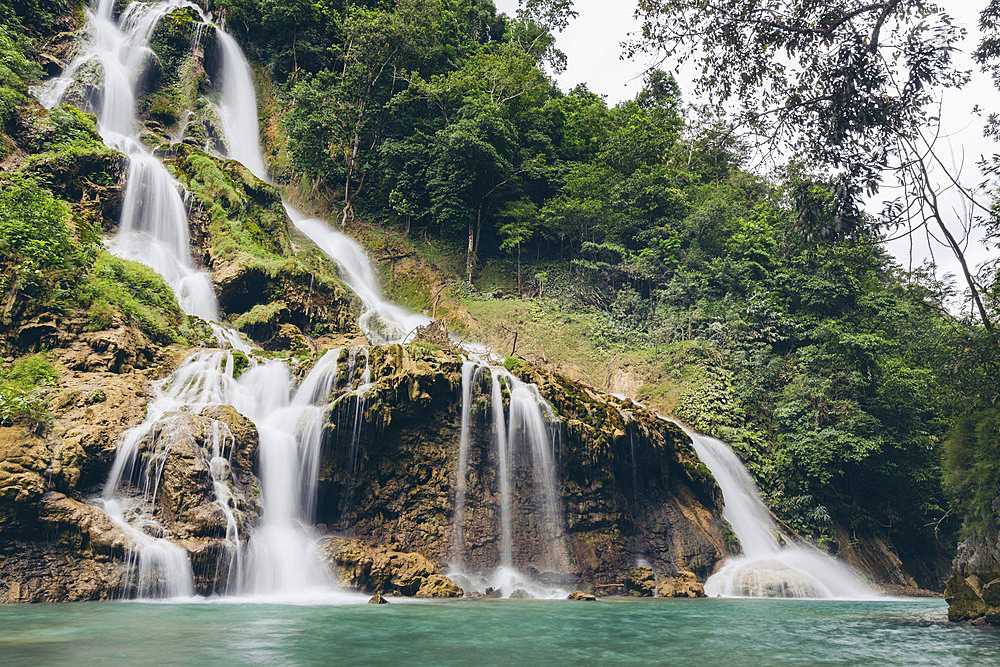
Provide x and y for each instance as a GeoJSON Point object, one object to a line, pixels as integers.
{"type": "Point", "coordinates": [469, 254]}
{"type": "Point", "coordinates": [519, 269]}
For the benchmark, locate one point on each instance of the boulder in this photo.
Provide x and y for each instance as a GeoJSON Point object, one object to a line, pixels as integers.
{"type": "Point", "coordinates": [973, 600]}
{"type": "Point", "coordinates": [385, 570]}
{"type": "Point", "coordinates": [684, 584]}
{"type": "Point", "coordinates": [580, 596]}
{"type": "Point", "coordinates": [641, 582]}
{"type": "Point", "coordinates": [378, 599]}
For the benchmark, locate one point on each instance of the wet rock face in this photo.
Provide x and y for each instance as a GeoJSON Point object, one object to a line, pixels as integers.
{"type": "Point", "coordinates": [181, 464]}
{"type": "Point", "coordinates": [69, 552]}
{"type": "Point", "coordinates": [385, 570]}
{"type": "Point", "coordinates": [973, 590]}
{"type": "Point", "coordinates": [390, 477]}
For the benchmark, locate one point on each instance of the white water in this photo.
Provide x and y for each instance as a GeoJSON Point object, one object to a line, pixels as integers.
{"type": "Point", "coordinates": [383, 322]}
{"type": "Point", "coordinates": [526, 428]}
{"type": "Point", "coordinates": [773, 564]}
{"type": "Point", "coordinates": [153, 229]}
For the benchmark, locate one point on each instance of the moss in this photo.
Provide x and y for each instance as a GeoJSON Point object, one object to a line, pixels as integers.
{"type": "Point", "coordinates": [139, 296]}
{"type": "Point", "coordinates": [24, 392]}
{"type": "Point", "coordinates": [513, 364]}
{"type": "Point", "coordinates": [262, 313]}
{"type": "Point", "coordinates": [240, 363]}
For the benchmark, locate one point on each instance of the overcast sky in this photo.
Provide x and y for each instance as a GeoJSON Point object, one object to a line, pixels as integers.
{"type": "Point", "coordinates": [593, 41]}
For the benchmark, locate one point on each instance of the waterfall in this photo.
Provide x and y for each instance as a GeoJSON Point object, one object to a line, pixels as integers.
{"type": "Point", "coordinates": [238, 108]}
{"type": "Point", "coordinates": [519, 435]}
{"type": "Point", "coordinates": [383, 322]}
{"type": "Point", "coordinates": [526, 428]}
{"type": "Point", "coordinates": [278, 560]}
{"type": "Point", "coordinates": [153, 229]}
{"type": "Point", "coordinates": [773, 564]}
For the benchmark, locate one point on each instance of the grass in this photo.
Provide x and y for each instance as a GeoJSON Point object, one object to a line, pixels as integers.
{"type": "Point", "coordinates": [136, 293]}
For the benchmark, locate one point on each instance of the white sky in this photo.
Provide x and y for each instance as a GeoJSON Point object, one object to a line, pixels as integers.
{"type": "Point", "coordinates": [593, 41]}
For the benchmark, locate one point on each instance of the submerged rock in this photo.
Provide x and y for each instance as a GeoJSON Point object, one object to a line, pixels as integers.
{"type": "Point", "coordinates": [580, 596]}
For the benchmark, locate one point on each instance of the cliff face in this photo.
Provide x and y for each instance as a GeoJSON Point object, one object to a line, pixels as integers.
{"type": "Point", "coordinates": [391, 477]}
{"type": "Point", "coordinates": [388, 478]}
{"type": "Point", "coordinates": [973, 590]}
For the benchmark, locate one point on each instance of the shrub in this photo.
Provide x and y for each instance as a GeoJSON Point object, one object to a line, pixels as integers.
{"type": "Point", "coordinates": [24, 392]}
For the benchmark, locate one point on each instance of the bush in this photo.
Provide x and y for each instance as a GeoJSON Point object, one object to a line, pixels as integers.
{"type": "Point", "coordinates": [41, 261]}
{"type": "Point", "coordinates": [138, 293]}
{"type": "Point", "coordinates": [24, 392]}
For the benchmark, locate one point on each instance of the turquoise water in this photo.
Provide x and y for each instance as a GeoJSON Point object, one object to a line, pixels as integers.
{"type": "Point", "coordinates": [691, 632]}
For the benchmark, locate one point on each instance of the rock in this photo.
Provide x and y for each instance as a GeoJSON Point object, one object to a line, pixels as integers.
{"type": "Point", "coordinates": [610, 590]}
{"type": "Point", "coordinates": [24, 458]}
{"type": "Point", "coordinates": [521, 594]}
{"type": "Point", "coordinates": [641, 582]}
{"type": "Point", "coordinates": [378, 599]}
{"type": "Point", "coordinates": [684, 584]}
{"type": "Point", "coordinates": [970, 600]}
{"type": "Point", "coordinates": [385, 570]}
{"type": "Point", "coordinates": [580, 596]}
{"type": "Point", "coordinates": [492, 593]}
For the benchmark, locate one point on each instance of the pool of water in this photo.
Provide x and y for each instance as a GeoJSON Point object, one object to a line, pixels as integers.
{"type": "Point", "coordinates": [610, 631]}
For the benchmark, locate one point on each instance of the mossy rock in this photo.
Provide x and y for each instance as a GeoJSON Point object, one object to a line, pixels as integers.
{"type": "Point", "coordinates": [240, 223]}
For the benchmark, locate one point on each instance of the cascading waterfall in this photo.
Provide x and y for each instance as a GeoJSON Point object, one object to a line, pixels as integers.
{"type": "Point", "coordinates": [526, 428]}
{"type": "Point", "coordinates": [153, 230]}
{"type": "Point", "coordinates": [384, 322]}
{"type": "Point", "coordinates": [773, 564]}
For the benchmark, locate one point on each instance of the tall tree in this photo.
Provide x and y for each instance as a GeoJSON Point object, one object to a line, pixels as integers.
{"type": "Point", "coordinates": [849, 85]}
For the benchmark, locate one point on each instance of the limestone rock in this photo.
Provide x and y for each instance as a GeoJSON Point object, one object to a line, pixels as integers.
{"type": "Point", "coordinates": [684, 584]}
{"type": "Point", "coordinates": [24, 459]}
{"type": "Point", "coordinates": [641, 582]}
{"type": "Point", "coordinates": [385, 570]}
{"type": "Point", "coordinates": [378, 599]}
{"type": "Point", "coordinates": [580, 596]}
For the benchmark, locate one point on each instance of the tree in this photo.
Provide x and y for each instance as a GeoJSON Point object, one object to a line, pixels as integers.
{"type": "Point", "coordinates": [847, 84]}
{"type": "Point", "coordinates": [521, 218]}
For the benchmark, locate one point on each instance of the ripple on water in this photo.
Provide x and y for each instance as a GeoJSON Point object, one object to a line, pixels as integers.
{"type": "Point", "coordinates": [715, 631]}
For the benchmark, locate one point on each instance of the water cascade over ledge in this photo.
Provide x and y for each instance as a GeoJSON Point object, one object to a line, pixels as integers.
{"type": "Point", "coordinates": [276, 558]}
{"type": "Point", "coordinates": [773, 564]}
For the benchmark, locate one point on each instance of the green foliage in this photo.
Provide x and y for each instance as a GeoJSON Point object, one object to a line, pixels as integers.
{"type": "Point", "coordinates": [39, 256]}
{"type": "Point", "coordinates": [24, 391]}
{"type": "Point", "coordinates": [513, 364]}
{"type": "Point", "coordinates": [972, 453]}
{"type": "Point", "coordinates": [136, 294]}
{"type": "Point", "coordinates": [18, 69]}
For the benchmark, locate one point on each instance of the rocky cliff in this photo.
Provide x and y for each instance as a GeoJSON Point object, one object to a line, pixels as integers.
{"type": "Point", "coordinates": [973, 590]}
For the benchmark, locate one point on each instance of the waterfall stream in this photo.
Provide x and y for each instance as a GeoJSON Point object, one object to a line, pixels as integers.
{"type": "Point", "coordinates": [278, 560]}
{"type": "Point", "coordinates": [773, 564]}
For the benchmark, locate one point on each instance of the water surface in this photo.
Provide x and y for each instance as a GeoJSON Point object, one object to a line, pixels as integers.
{"type": "Point", "coordinates": [691, 632]}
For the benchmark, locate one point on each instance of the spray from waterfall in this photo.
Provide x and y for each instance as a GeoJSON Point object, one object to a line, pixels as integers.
{"type": "Point", "coordinates": [773, 564]}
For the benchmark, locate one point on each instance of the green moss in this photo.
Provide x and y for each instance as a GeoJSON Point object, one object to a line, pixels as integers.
{"type": "Point", "coordinates": [513, 364]}
{"type": "Point", "coordinates": [24, 391]}
{"type": "Point", "coordinates": [138, 295]}
{"type": "Point", "coordinates": [262, 313]}
{"type": "Point", "coordinates": [240, 363]}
